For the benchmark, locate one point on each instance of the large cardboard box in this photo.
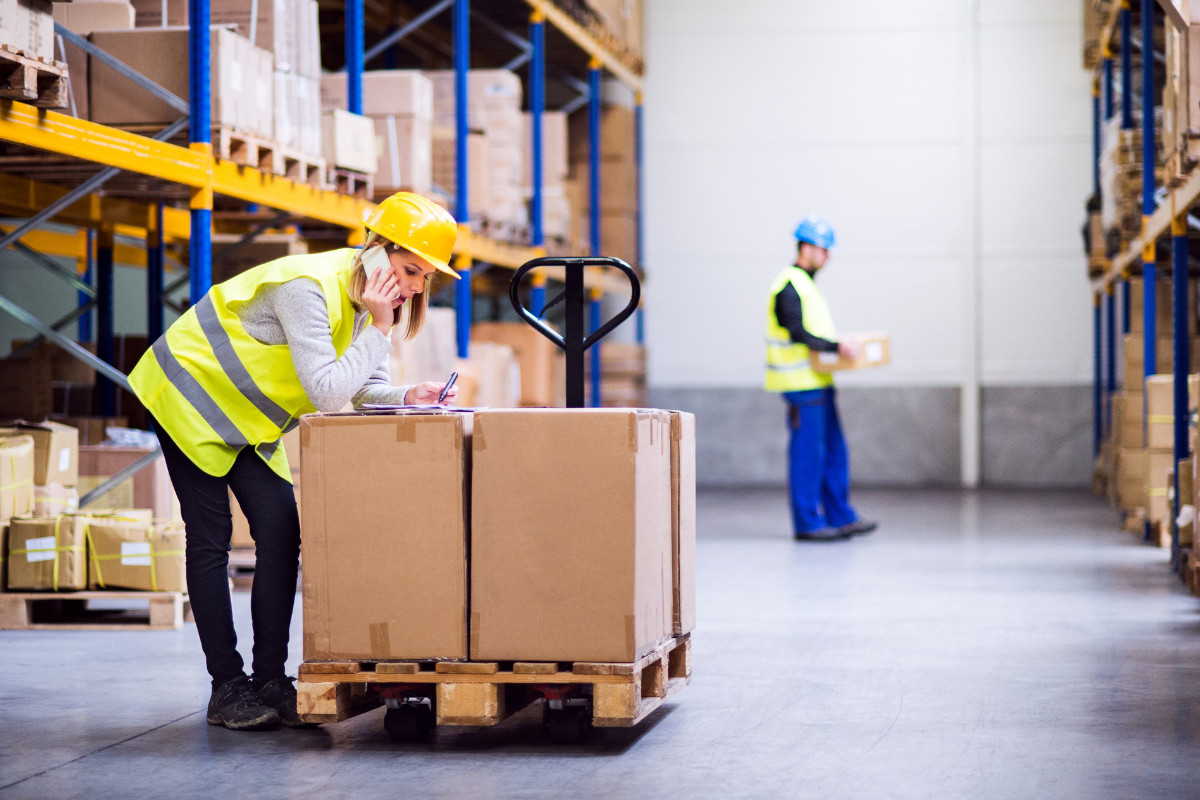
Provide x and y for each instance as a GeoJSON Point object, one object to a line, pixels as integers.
{"type": "Point", "coordinates": [875, 352]}
{"type": "Point", "coordinates": [1160, 412]}
{"type": "Point", "coordinates": [83, 19]}
{"type": "Point", "coordinates": [149, 14]}
{"type": "Point", "coordinates": [149, 488]}
{"type": "Point", "coordinates": [47, 553]}
{"type": "Point", "coordinates": [54, 499]}
{"type": "Point", "coordinates": [129, 554]}
{"type": "Point", "coordinates": [571, 534]}
{"type": "Point", "coordinates": [536, 355]}
{"type": "Point", "coordinates": [1187, 496]}
{"type": "Point", "coordinates": [554, 150]}
{"type": "Point", "coordinates": [400, 93]}
{"type": "Point", "coordinates": [348, 140]}
{"type": "Point", "coordinates": [161, 54]}
{"type": "Point", "coordinates": [275, 31]}
{"type": "Point", "coordinates": [16, 476]}
{"type": "Point", "coordinates": [1131, 493]}
{"type": "Point", "coordinates": [385, 578]}
{"type": "Point", "coordinates": [1164, 310]}
{"type": "Point", "coordinates": [1129, 432]}
{"type": "Point", "coordinates": [1158, 464]}
{"type": "Point", "coordinates": [405, 148]}
{"type": "Point", "coordinates": [445, 170]}
{"type": "Point", "coordinates": [683, 521]}
{"type": "Point", "coordinates": [55, 450]}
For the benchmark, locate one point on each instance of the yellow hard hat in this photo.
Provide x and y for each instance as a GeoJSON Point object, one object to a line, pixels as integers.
{"type": "Point", "coordinates": [417, 224]}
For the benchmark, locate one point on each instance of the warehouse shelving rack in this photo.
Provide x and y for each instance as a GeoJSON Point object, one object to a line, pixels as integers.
{"type": "Point", "coordinates": [55, 167]}
{"type": "Point", "coordinates": [1166, 213]}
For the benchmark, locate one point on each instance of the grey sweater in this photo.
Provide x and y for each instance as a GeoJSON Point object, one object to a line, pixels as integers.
{"type": "Point", "coordinates": [293, 313]}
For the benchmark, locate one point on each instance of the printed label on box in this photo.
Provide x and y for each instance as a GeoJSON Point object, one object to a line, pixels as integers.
{"type": "Point", "coordinates": [874, 352]}
{"type": "Point", "coordinates": [135, 554]}
{"type": "Point", "coordinates": [44, 548]}
{"type": "Point", "coordinates": [64, 459]}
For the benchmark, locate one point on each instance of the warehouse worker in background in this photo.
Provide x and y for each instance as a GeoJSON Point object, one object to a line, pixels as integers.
{"type": "Point", "coordinates": [798, 321]}
{"type": "Point", "coordinates": [232, 375]}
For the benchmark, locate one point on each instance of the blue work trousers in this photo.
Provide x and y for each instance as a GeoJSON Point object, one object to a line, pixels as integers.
{"type": "Point", "coordinates": [818, 462]}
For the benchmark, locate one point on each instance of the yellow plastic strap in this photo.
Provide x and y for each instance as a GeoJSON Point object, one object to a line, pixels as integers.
{"type": "Point", "coordinates": [87, 534]}
{"type": "Point", "coordinates": [1154, 419]}
{"type": "Point", "coordinates": [1157, 492]}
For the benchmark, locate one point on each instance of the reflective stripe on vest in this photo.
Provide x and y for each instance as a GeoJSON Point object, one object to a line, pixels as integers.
{"type": "Point", "coordinates": [215, 389]}
{"type": "Point", "coordinates": [788, 366]}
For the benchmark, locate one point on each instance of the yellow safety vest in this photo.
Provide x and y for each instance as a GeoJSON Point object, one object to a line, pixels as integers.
{"type": "Point", "coordinates": [788, 365]}
{"type": "Point", "coordinates": [217, 389]}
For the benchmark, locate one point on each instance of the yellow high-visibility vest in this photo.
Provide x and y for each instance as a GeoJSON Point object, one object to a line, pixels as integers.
{"type": "Point", "coordinates": [788, 365]}
{"type": "Point", "coordinates": [217, 389]}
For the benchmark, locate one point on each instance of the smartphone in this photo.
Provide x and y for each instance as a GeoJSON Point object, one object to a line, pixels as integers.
{"type": "Point", "coordinates": [375, 260]}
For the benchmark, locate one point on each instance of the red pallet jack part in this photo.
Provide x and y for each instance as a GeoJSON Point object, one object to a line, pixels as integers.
{"type": "Point", "coordinates": [410, 714]}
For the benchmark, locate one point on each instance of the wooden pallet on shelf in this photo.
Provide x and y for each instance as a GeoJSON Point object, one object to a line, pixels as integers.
{"type": "Point", "coordinates": [351, 182]}
{"type": "Point", "coordinates": [243, 148]}
{"type": "Point", "coordinates": [299, 167]}
{"type": "Point", "coordinates": [468, 693]}
{"type": "Point", "coordinates": [42, 82]}
{"type": "Point", "coordinates": [69, 611]}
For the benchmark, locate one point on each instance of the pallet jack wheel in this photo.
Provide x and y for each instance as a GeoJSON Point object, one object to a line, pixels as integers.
{"type": "Point", "coordinates": [408, 723]}
{"type": "Point", "coordinates": [569, 725]}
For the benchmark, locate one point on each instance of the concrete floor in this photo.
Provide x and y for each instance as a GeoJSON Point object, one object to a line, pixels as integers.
{"type": "Point", "coordinates": [984, 645]}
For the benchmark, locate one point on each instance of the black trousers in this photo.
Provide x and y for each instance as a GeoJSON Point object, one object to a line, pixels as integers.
{"type": "Point", "coordinates": [269, 504]}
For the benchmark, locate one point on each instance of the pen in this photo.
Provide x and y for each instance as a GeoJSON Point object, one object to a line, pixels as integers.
{"type": "Point", "coordinates": [449, 383]}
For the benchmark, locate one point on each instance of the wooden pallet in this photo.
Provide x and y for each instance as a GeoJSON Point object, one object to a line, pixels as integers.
{"type": "Point", "coordinates": [348, 181]}
{"type": "Point", "coordinates": [39, 81]}
{"type": "Point", "coordinates": [69, 611]}
{"type": "Point", "coordinates": [301, 168]}
{"type": "Point", "coordinates": [245, 149]}
{"type": "Point", "coordinates": [485, 693]}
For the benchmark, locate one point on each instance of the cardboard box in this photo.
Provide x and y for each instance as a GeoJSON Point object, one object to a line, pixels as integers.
{"type": "Point", "coordinates": [1129, 432]}
{"type": "Point", "coordinates": [64, 367]}
{"type": "Point", "coordinates": [1131, 494]}
{"type": "Point", "coordinates": [161, 54]}
{"type": "Point", "coordinates": [554, 150]}
{"type": "Point", "coordinates": [445, 170]}
{"type": "Point", "coordinates": [148, 14]}
{"type": "Point", "coordinates": [1160, 408]}
{"type": "Point", "coordinates": [1163, 310]}
{"type": "Point", "coordinates": [683, 521]}
{"type": "Point", "coordinates": [150, 488]}
{"type": "Point", "coordinates": [241, 526]}
{"type": "Point", "coordinates": [496, 376]}
{"type": "Point", "coordinates": [385, 579]}
{"type": "Point", "coordinates": [3, 557]}
{"type": "Point", "coordinates": [26, 390]}
{"type": "Point", "coordinates": [431, 355]}
{"type": "Point", "coordinates": [47, 553]}
{"type": "Point", "coordinates": [536, 355]}
{"type": "Point", "coordinates": [348, 140]}
{"type": "Point", "coordinates": [96, 15]}
{"type": "Point", "coordinates": [1158, 464]}
{"type": "Point", "coordinates": [54, 499]}
{"type": "Point", "coordinates": [619, 237]}
{"type": "Point", "coordinates": [93, 430]}
{"type": "Point", "coordinates": [128, 554]}
{"type": "Point", "coordinates": [55, 450]}
{"type": "Point", "coordinates": [876, 351]}
{"type": "Point", "coordinates": [276, 29]}
{"type": "Point", "coordinates": [1187, 497]}
{"type": "Point", "coordinates": [400, 93]}
{"type": "Point", "coordinates": [16, 476]}
{"type": "Point", "coordinates": [570, 535]}
{"type": "Point", "coordinates": [405, 148]}
{"type": "Point", "coordinates": [29, 26]}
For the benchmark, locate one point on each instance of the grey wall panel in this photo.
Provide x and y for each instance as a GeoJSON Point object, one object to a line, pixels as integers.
{"type": "Point", "coordinates": [1037, 436]}
{"type": "Point", "coordinates": [898, 436]}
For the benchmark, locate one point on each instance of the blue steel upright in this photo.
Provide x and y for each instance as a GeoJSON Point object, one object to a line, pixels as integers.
{"type": "Point", "coordinates": [1097, 373]}
{"type": "Point", "coordinates": [1149, 288]}
{"type": "Point", "coordinates": [593, 326]}
{"type": "Point", "coordinates": [107, 403]}
{"type": "Point", "coordinates": [1179, 285]}
{"type": "Point", "coordinates": [1106, 68]}
{"type": "Point", "coordinates": [154, 277]}
{"type": "Point", "coordinates": [200, 124]}
{"type": "Point", "coordinates": [354, 55]}
{"type": "Point", "coordinates": [1126, 71]}
{"type": "Point", "coordinates": [594, 156]}
{"type": "Point", "coordinates": [1126, 306]}
{"type": "Point", "coordinates": [84, 328]}
{"type": "Point", "coordinates": [537, 105]}
{"type": "Point", "coordinates": [1110, 352]}
{"type": "Point", "coordinates": [462, 66]}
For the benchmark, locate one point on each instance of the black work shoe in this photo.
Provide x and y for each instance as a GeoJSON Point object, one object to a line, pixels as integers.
{"type": "Point", "coordinates": [280, 695]}
{"type": "Point", "coordinates": [858, 527]}
{"type": "Point", "coordinates": [820, 535]}
{"type": "Point", "coordinates": [236, 706]}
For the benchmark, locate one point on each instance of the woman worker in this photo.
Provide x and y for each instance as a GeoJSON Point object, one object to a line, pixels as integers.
{"type": "Point", "coordinates": [232, 375]}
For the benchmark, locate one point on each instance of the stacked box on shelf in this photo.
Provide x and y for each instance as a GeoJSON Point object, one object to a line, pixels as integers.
{"type": "Point", "coordinates": [622, 375]}
{"type": "Point", "coordinates": [83, 19]}
{"type": "Point", "coordinates": [618, 178]}
{"type": "Point", "coordinates": [1180, 136]}
{"type": "Point", "coordinates": [623, 20]}
{"type": "Point", "coordinates": [556, 207]}
{"type": "Point", "coordinates": [494, 109]}
{"type": "Point", "coordinates": [1121, 179]}
{"type": "Point", "coordinates": [1160, 452]}
{"type": "Point", "coordinates": [1095, 15]}
{"type": "Point", "coordinates": [150, 488]}
{"type": "Point", "coordinates": [399, 104]}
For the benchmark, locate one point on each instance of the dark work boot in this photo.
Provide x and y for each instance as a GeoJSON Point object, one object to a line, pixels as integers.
{"type": "Point", "coordinates": [236, 706]}
{"type": "Point", "coordinates": [820, 535]}
{"type": "Point", "coordinates": [858, 527]}
{"type": "Point", "coordinates": [280, 695]}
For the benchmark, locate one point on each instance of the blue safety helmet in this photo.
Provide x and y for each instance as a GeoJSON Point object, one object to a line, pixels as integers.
{"type": "Point", "coordinates": [815, 230]}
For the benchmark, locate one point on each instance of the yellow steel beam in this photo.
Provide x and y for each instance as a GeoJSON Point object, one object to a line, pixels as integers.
{"type": "Point", "coordinates": [68, 245]}
{"type": "Point", "coordinates": [245, 183]}
{"type": "Point", "coordinates": [1110, 28]}
{"type": "Point", "coordinates": [500, 254]}
{"type": "Point", "coordinates": [24, 197]}
{"type": "Point", "coordinates": [586, 42]}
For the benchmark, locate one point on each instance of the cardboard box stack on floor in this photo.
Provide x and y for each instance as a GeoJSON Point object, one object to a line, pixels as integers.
{"type": "Point", "coordinates": [556, 207]}
{"type": "Point", "coordinates": [399, 104]}
{"type": "Point", "coordinates": [494, 109]}
{"type": "Point", "coordinates": [55, 465]}
{"type": "Point", "coordinates": [47, 553]}
{"type": "Point", "coordinates": [241, 79]}
{"type": "Point", "coordinates": [125, 553]}
{"type": "Point", "coordinates": [385, 548]}
{"type": "Point", "coordinates": [575, 527]}
{"type": "Point", "coordinates": [16, 475]}
{"type": "Point", "coordinates": [541, 362]}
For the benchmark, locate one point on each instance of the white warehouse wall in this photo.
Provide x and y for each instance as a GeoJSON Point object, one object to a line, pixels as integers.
{"type": "Point", "coordinates": [947, 140]}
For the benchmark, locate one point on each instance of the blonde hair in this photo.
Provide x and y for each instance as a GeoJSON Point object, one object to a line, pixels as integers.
{"type": "Point", "coordinates": [415, 307]}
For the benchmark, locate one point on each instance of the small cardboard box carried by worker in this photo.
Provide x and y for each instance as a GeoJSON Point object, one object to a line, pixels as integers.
{"type": "Point", "coordinates": [875, 352]}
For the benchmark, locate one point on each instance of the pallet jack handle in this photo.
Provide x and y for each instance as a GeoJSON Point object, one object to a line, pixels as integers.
{"type": "Point", "coordinates": [575, 342]}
